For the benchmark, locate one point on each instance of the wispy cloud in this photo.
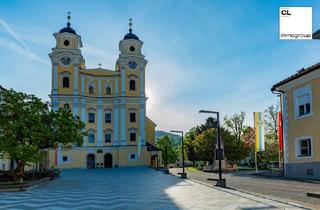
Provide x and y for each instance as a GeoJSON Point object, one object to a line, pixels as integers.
{"type": "Point", "coordinates": [18, 45]}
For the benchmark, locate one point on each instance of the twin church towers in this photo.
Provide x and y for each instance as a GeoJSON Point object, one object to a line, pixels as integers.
{"type": "Point", "coordinates": [112, 104]}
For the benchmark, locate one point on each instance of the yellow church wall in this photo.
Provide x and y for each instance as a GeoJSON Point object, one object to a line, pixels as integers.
{"type": "Point", "coordinates": [150, 131]}
{"type": "Point", "coordinates": [307, 126]}
{"type": "Point", "coordinates": [77, 157]}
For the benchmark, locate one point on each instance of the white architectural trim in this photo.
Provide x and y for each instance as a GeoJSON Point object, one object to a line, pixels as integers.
{"type": "Point", "coordinates": [55, 79]}
{"type": "Point", "coordinates": [142, 125]}
{"type": "Point", "coordinates": [123, 125]}
{"type": "Point", "coordinates": [99, 123]}
{"type": "Point", "coordinates": [84, 116]}
{"type": "Point", "coordinates": [116, 87]}
{"type": "Point", "coordinates": [83, 86]}
{"type": "Point", "coordinates": [99, 88]}
{"type": "Point", "coordinates": [75, 78]}
{"type": "Point", "coordinates": [75, 105]}
{"type": "Point", "coordinates": [116, 124]}
{"type": "Point", "coordinates": [123, 80]}
{"type": "Point", "coordinates": [142, 82]}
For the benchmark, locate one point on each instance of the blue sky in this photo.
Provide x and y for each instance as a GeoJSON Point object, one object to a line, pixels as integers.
{"type": "Point", "coordinates": [216, 55]}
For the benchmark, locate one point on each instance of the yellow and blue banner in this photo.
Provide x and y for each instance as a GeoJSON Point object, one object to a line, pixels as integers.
{"type": "Point", "coordinates": [259, 131]}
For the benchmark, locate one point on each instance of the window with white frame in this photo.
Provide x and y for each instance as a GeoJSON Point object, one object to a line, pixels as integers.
{"type": "Point", "coordinates": [65, 158]}
{"type": "Point", "coordinates": [108, 90]}
{"type": "Point", "coordinates": [91, 88]}
{"type": "Point", "coordinates": [133, 136]}
{"type": "Point", "coordinates": [304, 104]}
{"type": "Point", "coordinates": [302, 101]}
{"type": "Point", "coordinates": [107, 137]}
{"type": "Point", "coordinates": [107, 118]}
{"type": "Point", "coordinates": [132, 156]}
{"type": "Point", "coordinates": [132, 117]}
{"type": "Point", "coordinates": [91, 138]}
{"type": "Point", "coordinates": [304, 147]}
{"type": "Point", "coordinates": [91, 117]}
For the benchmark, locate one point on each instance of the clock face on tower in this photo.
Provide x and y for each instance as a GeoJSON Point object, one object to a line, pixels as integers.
{"type": "Point", "coordinates": [132, 65]}
{"type": "Point", "coordinates": [65, 60]}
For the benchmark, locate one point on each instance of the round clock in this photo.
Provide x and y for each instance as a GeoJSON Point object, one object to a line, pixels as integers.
{"type": "Point", "coordinates": [65, 60]}
{"type": "Point", "coordinates": [132, 65]}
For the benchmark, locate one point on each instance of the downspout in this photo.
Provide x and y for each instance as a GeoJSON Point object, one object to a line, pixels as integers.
{"type": "Point", "coordinates": [280, 94]}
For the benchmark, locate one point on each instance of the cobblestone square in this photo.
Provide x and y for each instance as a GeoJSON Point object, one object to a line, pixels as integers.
{"type": "Point", "coordinates": [130, 188]}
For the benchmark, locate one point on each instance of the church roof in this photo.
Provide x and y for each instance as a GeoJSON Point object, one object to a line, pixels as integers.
{"type": "Point", "coordinates": [130, 35]}
{"type": "Point", "coordinates": [68, 29]}
{"type": "Point", "coordinates": [99, 72]}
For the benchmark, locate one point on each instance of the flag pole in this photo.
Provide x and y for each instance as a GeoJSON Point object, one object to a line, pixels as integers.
{"type": "Point", "coordinates": [255, 142]}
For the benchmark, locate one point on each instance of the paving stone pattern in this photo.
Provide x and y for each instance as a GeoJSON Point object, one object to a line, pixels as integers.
{"type": "Point", "coordinates": [130, 188]}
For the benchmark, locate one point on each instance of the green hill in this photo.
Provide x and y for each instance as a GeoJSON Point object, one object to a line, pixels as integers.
{"type": "Point", "coordinates": [175, 138]}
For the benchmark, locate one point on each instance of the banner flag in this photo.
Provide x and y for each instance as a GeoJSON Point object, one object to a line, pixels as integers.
{"type": "Point", "coordinates": [280, 134]}
{"type": "Point", "coordinates": [259, 131]}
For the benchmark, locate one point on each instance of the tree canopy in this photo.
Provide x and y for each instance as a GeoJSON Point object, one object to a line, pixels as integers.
{"type": "Point", "coordinates": [28, 126]}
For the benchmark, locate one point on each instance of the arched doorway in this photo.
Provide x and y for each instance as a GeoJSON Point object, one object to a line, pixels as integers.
{"type": "Point", "coordinates": [91, 161]}
{"type": "Point", "coordinates": [108, 160]}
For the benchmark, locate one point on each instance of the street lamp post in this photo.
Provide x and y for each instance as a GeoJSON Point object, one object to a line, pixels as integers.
{"type": "Point", "coordinates": [183, 174]}
{"type": "Point", "coordinates": [220, 182]}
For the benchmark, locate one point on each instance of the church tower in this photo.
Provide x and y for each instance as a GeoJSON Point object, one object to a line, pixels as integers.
{"type": "Point", "coordinates": [66, 61]}
{"type": "Point", "coordinates": [131, 64]}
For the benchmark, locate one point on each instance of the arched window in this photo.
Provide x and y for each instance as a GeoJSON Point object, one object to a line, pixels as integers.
{"type": "Point", "coordinates": [108, 90]}
{"type": "Point", "coordinates": [132, 85]}
{"type": "Point", "coordinates": [65, 82]}
{"type": "Point", "coordinates": [91, 89]}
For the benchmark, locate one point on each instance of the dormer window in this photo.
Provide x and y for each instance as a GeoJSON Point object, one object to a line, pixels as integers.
{"type": "Point", "coordinates": [65, 82]}
{"type": "Point", "coordinates": [132, 85]}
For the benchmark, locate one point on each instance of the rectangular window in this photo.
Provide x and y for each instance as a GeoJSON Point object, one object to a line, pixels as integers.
{"type": "Point", "coordinates": [65, 158]}
{"type": "Point", "coordinates": [107, 137]}
{"type": "Point", "coordinates": [91, 117]}
{"type": "Point", "coordinates": [304, 104]}
{"type": "Point", "coordinates": [132, 117]}
{"type": "Point", "coordinates": [132, 156]}
{"type": "Point", "coordinates": [91, 138]}
{"type": "Point", "coordinates": [304, 148]}
{"type": "Point", "coordinates": [132, 136]}
{"type": "Point", "coordinates": [107, 118]}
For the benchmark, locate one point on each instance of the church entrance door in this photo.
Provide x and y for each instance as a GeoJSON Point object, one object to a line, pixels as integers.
{"type": "Point", "coordinates": [108, 160]}
{"type": "Point", "coordinates": [91, 161]}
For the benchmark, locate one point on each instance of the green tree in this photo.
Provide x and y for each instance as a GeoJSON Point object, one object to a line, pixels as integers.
{"type": "Point", "coordinates": [205, 144]}
{"type": "Point", "coordinates": [234, 144]}
{"type": "Point", "coordinates": [189, 140]}
{"type": "Point", "coordinates": [27, 127]}
{"type": "Point", "coordinates": [169, 152]}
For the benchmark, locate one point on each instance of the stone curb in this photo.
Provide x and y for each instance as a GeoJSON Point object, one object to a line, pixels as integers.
{"type": "Point", "coordinates": [25, 186]}
{"type": "Point", "coordinates": [248, 193]}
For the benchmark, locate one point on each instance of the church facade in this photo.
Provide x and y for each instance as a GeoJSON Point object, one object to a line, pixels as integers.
{"type": "Point", "coordinates": [111, 103]}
